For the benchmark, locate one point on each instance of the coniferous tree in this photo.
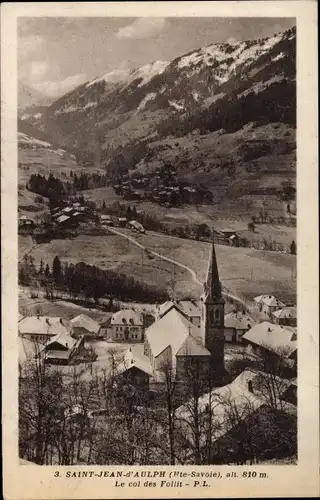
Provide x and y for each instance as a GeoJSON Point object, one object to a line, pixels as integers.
{"type": "Point", "coordinates": [41, 268]}
{"type": "Point", "coordinates": [293, 248]}
{"type": "Point", "coordinates": [56, 270]}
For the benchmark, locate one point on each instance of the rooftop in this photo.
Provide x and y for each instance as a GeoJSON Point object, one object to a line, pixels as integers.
{"type": "Point", "coordinates": [134, 360]}
{"type": "Point", "coordinates": [84, 321]}
{"type": "Point", "coordinates": [171, 330]}
{"type": "Point", "coordinates": [236, 398]}
{"type": "Point", "coordinates": [268, 300]}
{"type": "Point", "coordinates": [42, 325]}
{"type": "Point", "coordinates": [276, 338]}
{"type": "Point", "coordinates": [62, 218]}
{"type": "Point", "coordinates": [127, 317]}
{"type": "Point", "coordinates": [286, 312]}
{"type": "Point", "coordinates": [64, 339]}
{"type": "Point", "coordinates": [238, 320]}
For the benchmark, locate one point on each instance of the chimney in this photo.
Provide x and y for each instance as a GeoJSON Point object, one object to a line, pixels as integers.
{"type": "Point", "coordinates": [61, 321]}
{"type": "Point", "coordinates": [47, 321]}
{"type": "Point", "coordinates": [250, 386]}
{"type": "Point", "coordinates": [38, 316]}
{"type": "Point", "coordinates": [67, 345]}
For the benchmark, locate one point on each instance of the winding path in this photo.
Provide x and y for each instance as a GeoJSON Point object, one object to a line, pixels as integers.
{"type": "Point", "coordinates": [192, 272]}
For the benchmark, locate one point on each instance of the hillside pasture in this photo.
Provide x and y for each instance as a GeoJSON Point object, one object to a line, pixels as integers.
{"type": "Point", "coordinates": [244, 271]}
{"type": "Point", "coordinates": [116, 253]}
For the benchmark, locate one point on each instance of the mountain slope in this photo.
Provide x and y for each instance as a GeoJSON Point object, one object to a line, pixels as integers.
{"type": "Point", "coordinates": [30, 99]}
{"type": "Point", "coordinates": [225, 94]}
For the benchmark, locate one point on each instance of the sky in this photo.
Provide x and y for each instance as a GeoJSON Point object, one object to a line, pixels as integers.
{"type": "Point", "coordinates": [58, 54]}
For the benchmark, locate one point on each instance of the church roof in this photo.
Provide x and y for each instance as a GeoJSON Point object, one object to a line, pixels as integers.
{"type": "Point", "coordinates": [193, 347]}
{"type": "Point", "coordinates": [171, 330]}
{"type": "Point", "coordinates": [212, 284]}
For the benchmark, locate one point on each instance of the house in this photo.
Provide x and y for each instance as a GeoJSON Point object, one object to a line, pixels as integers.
{"type": "Point", "coordinates": [267, 304]}
{"type": "Point", "coordinates": [66, 221]}
{"type": "Point", "coordinates": [236, 324]}
{"type": "Point", "coordinates": [247, 421]}
{"type": "Point", "coordinates": [135, 369]}
{"type": "Point", "coordinates": [26, 223]}
{"type": "Point", "coordinates": [122, 221]}
{"type": "Point", "coordinates": [126, 325]}
{"type": "Point", "coordinates": [42, 329]}
{"type": "Point", "coordinates": [287, 316]}
{"type": "Point", "coordinates": [228, 233]}
{"type": "Point", "coordinates": [190, 308]}
{"type": "Point", "coordinates": [85, 326]}
{"type": "Point", "coordinates": [136, 226]}
{"type": "Point", "coordinates": [106, 220]}
{"type": "Point", "coordinates": [68, 210]}
{"type": "Point", "coordinates": [175, 341]}
{"type": "Point", "coordinates": [275, 343]}
{"type": "Point", "coordinates": [62, 348]}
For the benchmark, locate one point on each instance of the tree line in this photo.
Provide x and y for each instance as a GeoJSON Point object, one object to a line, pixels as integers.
{"type": "Point", "coordinates": [53, 188]}
{"type": "Point", "coordinates": [84, 280]}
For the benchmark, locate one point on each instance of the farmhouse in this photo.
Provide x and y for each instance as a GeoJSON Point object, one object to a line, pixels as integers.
{"type": "Point", "coordinates": [286, 316]}
{"type": "Point", "coordinates": [83, 325]}
{"type": "Point", "coordinates": [42, 329]}
{"type": "Point", "coordinates": [236, 324]}
{"type": "Point", "coordinates": [126, 326]}
{"type": "Point", "coordinates": [273, 342]}
{"type": "Point", "coordinates": [268, 304]}
{"type": "Point", "coordinates": [62, 348]}
{"type": "Point", "coordinates": [246, 421]}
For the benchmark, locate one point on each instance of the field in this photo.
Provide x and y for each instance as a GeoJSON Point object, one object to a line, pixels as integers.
{"type": "Point", "coordinates": [114, 252]}
{"type": "Point", "coordinates": [244, 271]}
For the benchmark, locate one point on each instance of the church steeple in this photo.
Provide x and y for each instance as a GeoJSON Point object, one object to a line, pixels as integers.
{"type": "Point", "coordinates": [212, 286]}
{"type": "Point", "coordinates": [212, 315]}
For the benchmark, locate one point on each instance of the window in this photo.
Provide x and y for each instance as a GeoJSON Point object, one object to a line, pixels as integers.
{"type": "Point", "coordinates": [217, 314]}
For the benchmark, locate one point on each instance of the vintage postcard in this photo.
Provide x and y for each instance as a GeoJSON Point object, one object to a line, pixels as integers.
{"type": "Point", "coordinates": [159, 250]}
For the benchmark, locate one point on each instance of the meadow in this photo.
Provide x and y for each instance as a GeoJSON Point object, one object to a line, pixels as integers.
{"type": "Point", "coordinates": [245, 272]}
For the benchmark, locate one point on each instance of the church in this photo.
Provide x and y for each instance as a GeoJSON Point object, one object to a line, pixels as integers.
{"type": "Point", "coordinates": [175, 339]}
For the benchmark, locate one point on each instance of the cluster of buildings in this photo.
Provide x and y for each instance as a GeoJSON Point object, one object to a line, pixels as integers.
{"type": "Point", "coordinates": [198, 331]}
{"type": "Point", "coordinates": [55, 339]}
{"type": "Point", "coordinates": [71, 215]}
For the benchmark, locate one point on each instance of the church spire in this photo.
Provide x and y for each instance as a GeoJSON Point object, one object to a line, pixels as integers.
{"type": "Point", "coordinates": [212, 284]}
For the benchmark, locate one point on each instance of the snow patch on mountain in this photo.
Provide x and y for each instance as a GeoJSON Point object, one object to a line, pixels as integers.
{"type": "Point", "coordinates": [69, 109]}
{"type": "Point", "coordinates": [148, 97]}
{"type": "Point", "coordinates": [261, 86]}
{"type": "Point", "coordinates": [178, 105]}
{"type": "Point", "coordinates": [90, 105]}
{"type": "Point", "coordinates": [279, 56]}
{"type": "Point", "coordinates": [148, 71]}
{"type": "Point", "coordinates": [31, 141]}
{"type": "Point", "coordinates": [115, 76]}
{"type": "Point", "coordinates": [126, 76]}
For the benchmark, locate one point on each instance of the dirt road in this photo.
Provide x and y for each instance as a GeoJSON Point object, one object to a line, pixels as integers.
{"type": "Point", "coordinates": [227, 293]}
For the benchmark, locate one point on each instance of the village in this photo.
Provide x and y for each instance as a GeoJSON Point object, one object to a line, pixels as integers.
{"type": "Point", "coordinates": [246, 359]}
